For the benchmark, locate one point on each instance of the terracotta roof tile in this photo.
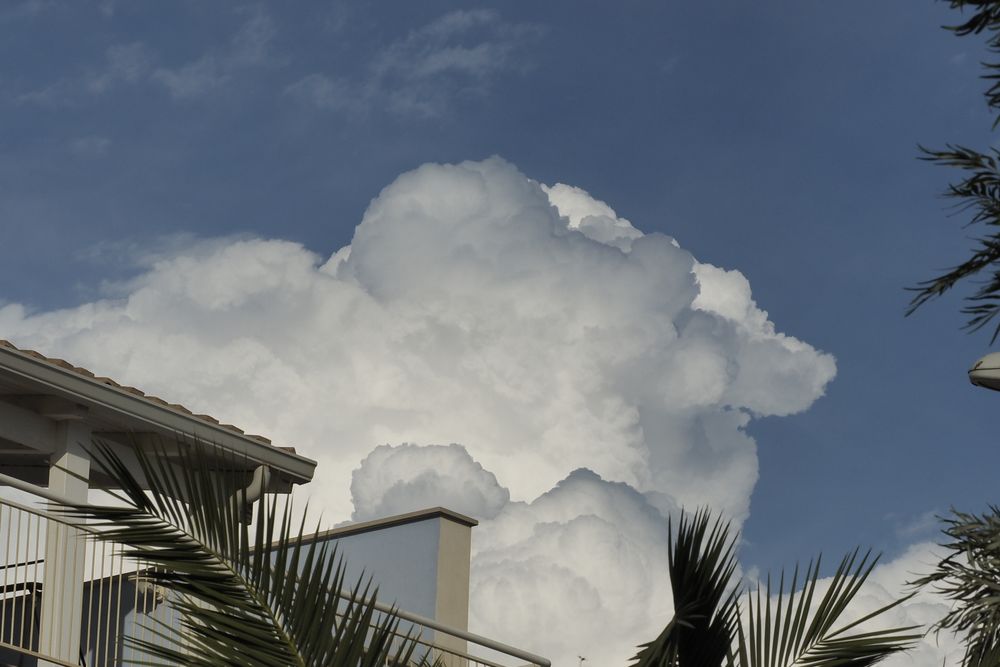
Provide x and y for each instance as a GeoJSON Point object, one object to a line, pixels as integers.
{"type": "Point", "coordinates": [65, 365]}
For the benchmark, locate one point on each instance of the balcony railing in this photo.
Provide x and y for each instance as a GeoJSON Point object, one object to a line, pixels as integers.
{"type": "Point", "coordinates": [119, 601]}
{"type": "Point", "coordinates": [115, 593]}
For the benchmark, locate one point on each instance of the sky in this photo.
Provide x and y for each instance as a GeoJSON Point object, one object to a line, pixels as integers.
{"type": "Point", "coordinates": [564, 266]}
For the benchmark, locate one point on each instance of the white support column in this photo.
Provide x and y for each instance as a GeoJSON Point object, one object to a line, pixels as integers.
{"type": "Point", "coordinates": [62, 586]}
{"type": "Point", "coordinates": [453, 570]}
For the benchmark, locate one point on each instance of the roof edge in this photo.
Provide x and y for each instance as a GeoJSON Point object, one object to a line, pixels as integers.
{"type": "Point", "coordinates": [391, 521]}
{"type": "Point", "coordinates": [80, 388]}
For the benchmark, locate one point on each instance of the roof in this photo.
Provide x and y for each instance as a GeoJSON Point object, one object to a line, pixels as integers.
{"type": "Point", "coordinates": [62, 363]}
{"type": "Point", "coordinates": [113, 406]}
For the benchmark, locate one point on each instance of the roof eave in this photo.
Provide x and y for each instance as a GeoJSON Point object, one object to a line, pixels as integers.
{"type": "Point", "coordinates": [159, 418]}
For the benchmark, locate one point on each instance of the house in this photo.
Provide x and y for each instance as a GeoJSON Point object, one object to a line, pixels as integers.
{"type": "Point", "coordinates": [66, 600]}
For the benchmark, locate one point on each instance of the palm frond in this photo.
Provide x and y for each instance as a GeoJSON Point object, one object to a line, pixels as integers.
{"type": "Point", "coordinates": [701, 564]}
{"type": "Point", "coordinates": [784, 627]}
{"type": "Point", "coordinates": [258, 599]}
{"type": "Point", "coordinates": [978, 193]}
{"type": "Point", "coordinates": [970, 575]}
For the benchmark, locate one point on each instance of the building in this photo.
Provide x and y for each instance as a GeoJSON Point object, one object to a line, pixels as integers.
{"type": "Point", "coordinates": [50, 412]}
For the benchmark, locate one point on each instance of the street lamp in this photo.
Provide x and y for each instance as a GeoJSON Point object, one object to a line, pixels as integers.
{"type": "Point", "coordinates": [986, 372]}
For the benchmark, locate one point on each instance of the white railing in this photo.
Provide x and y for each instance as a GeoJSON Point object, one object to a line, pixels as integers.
{"type": "Point", "coordinates": [115, 592]}
{"type": "Point", "coordinates": [478, 651]}
{"type": "Point", "coordinates": [119, 601]}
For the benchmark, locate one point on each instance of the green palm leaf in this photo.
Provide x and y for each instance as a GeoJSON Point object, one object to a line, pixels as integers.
{"type": "Point", "coordinates": [239, 604]}
{"type": "Point", "coordinates": [795, 630]}
{"type": "Point", "coordinates": [701, 564]}
{"type": "Point", "coordinates": [781, 628]}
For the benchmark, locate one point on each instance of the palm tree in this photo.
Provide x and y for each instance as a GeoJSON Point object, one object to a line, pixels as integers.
{"type": "Point", "coordinates": [781, 627]}
{"type": "Point", "coordinates": [250, 597]}
{"type": "Point", "coordinates": [969, 574]}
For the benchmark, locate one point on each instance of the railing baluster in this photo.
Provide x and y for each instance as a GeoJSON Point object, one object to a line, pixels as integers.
{"type": "Point", "coordinates": [119, 640]}
{"type": "Point", "coordinates": [141, 611]}
{"type": "Point", "coordinates": [101, 657]}
{"type": "Point", "coordinates": [36, 595]}
{"type": "Point", "coordinates": [89, 616]}
{"type": "Point", "coordinates": [79, 554]}
{"type": "Point", "coordinates": [24, 578]}
{"type": "Point", "coordinates": [6, 560]}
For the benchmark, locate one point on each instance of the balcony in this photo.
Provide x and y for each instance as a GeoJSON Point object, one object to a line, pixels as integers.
{"type": "Point", "coordinates": [118, 602]}
{"type": "Point", "coordinates": [69, 599]}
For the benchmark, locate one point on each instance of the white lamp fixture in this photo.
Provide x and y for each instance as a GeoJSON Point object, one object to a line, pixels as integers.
{"type": "Point", "coordinates": [986, 372]}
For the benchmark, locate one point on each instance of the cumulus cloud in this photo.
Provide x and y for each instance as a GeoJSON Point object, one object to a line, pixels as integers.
{"type": "Point", "coordinates": [581, 570]}
{"type": "Point", "coordinates": [531, 325]}
{"type": "Point", "coordinates": [456, 55]}
{"type": "Point", "coordinates": [595, 552]}
{"type": "Point", "coordinates": [393, 480]}
{"type": "Point", "coordinates": [593, 217]}
{"type": "Point", "coordinates": [589, 550]}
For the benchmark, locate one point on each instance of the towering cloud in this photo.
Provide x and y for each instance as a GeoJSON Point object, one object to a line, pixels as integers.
{"type": "Point", "coordinates": [582, 568]}
{"type": "Point", "coordinates": [596, 378]}
{"type": "Point", "coordinates": [394, 480]}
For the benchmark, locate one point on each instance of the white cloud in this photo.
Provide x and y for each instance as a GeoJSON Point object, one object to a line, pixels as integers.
{"type": "Point", "coordinates": [326, 92]}
{"type": "Point", "coordinates": [124, 64]}
{"type": "Point", "coordinates": [889, 582]}
{"type": "Point", "coordinates": [247, 48]}
{"type": "Point", "coordinates": [468, 310]}
{"type": "Point", "coordinates": [91, 146]}
{"type": "Point", "coordinates": [134, 63]}
{"type": "Point", "coordinates": [593, 217]}
{"type": "Point", "coordinates": [767, 381]}
{"type": "Point", "coordinates": [395, 480]}
{"type": "Point", "coordinates": [454, 56]}
{"type": "Point", "coordinates": [595, 552]}
{"type": "Point", "coordinates": [193, 79]}
{"type": "Point", "coordinates": [27, 9]}
{"type": "Point", "coordinates": [581, 570]}
{"type": "Point", "coordinates": [916, 526]}
{"type": "Point", "coordinates": [107, 8]}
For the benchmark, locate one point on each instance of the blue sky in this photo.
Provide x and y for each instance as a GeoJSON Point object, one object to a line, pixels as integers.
{"type": "Point", "coordinates": [777, 139]}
